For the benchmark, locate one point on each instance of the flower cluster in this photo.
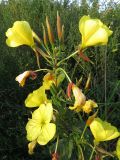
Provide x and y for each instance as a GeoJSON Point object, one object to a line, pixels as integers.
{"type": "Point", "coordinates": [41, 128]}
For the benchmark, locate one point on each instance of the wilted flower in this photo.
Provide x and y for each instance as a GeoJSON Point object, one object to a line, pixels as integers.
{"type": "Point", "coordinates": [93, 32]}
{"type": "Point", "coordinates": [39, 127]}
{"type": "Point", "coordinates": [118, 149]}
{"type": "Point", "coordinates": [36, 98]}
{"type": "Point", "coordinates": [22, 77]}
{"type": "Point", "coordinates": [20, 34]}
{"type": "Point", "coordinates": [79, 98]}
{"type": "Point", "coordinates": [103, 131]}
{"type": "Point", "coordinates": [31, 147]}
{"type": "Point", "coordinates": [48, 79]}
{"type": "Point", "coordinates": [89, 105]}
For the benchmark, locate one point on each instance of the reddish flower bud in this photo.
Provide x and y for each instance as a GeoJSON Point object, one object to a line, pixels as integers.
{"type": "Point", "coordinates": [84, 57]}
{"type": "Point", "coordinates": [55, 156]}
{"type": "Point", "coordinates": [69, 87]}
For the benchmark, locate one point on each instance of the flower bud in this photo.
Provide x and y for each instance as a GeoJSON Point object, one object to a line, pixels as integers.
{"type": "Point", "coordinates": [59, 28]}
{"type": "Point", "coordinates": [44, 36]}
{"type": "Point", "coordinates": [50, 34]}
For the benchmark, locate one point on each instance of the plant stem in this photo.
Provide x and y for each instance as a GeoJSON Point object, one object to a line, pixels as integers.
{"type": "Point", "coordinates": [64, 73]}
{"type": "Point", "coordinates": [83, 132]}
{"type": "Point", "coordinates": [71, 55]}
{"type": "Point", "coordinates": [91, 156]}
{"type": "Point", "coordinates": [38, 70]}
{"type": "Point", "coordinates": [56, 144]}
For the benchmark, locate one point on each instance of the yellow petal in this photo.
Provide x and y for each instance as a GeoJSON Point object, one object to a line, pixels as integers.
{"type": "Point", "coordinates": [103, 131]}
{"type": "Point", "coordinates": [33, 129]}
{"type": "Point", "coordinates": [99, 37]}
{"type": "Point", "coordinates": [36, 98]}
{"type": "Point", "coordinates": [89, 105]}
{"type": "Point", "coordinates": [47, 133]}
{"type": "Point", "coordinates": [39, 127]}
{"type": "Point", "coordinates": [48, 79]}
{"type": "Point", "coordinates": [19, 34]}
{"type": "Point", "coordinates": [43, 114]}
{"type": "Point", "coordinates": [93, 32]}
{"type": "Point", "coordinates": [118, 149]}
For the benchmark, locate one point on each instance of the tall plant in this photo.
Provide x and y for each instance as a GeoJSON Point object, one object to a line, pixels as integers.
{"type": "Point", "coordinates": [64, 113]}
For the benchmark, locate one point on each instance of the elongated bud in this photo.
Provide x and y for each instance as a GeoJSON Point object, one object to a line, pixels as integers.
{"type": "Point", "coordinates": [59, 28]}
{"type": "Point", "coordinates": [87, 85]}
{"type": "Point", "coordinates": [62, 33]}
{"type": "Point", "coordinates": [69, 88]}
{"type": "Point", "coordinates": [79, 81]}
{"type": "Point", "coordinates": [44, 35]}
{"type": "Point", "coordinates": [50, 34]}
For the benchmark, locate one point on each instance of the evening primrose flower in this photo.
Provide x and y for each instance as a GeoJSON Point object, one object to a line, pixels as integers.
{"type": "Point", "coordinates": [22, 77]}
{"type": "Point", "coordinates": [89, 105]}
{"type": "Point", "coordinates": [39, 127]}
{"type": "Point", "coordinates": [20, 34]}
{"type": "Point", "coordinates": [79, 98]}
{"type": "Point", "coordinates": [36, 98]}
{"type": "Point", "coordinates": [103, 131]}
{"type": "Point", "coordinates": [93, 32]}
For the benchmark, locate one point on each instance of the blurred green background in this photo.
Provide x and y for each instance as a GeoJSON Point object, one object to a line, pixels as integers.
{"type": "Point", "coordinates": [105, 85]}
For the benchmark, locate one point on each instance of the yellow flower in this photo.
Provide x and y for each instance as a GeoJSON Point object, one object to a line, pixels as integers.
{"type": "Point", "coordinates": [22, 77]}
{"type": "Point", "coordinates": [39, 127]}
{"type": "Point", "coordinates": [118, 149]}
{"type": "Point", "coordinates": [89, 105]}
{"type": "Point", "coordinates": [79, 98]}
{"type": "Point", "coordinates": [48, 79]}
{"type": "Point", "coordinates": [20, 34]}
{"type": "Point", "coordinates": [93, 32]}
{"type": "Point", "coordinates": [103, 131]}
{"type": "Point", "coordinates": [36, 98]}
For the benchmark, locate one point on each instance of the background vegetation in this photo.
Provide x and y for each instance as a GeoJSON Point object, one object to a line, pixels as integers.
{"type": "Point", "coordinates": [105, 71]}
